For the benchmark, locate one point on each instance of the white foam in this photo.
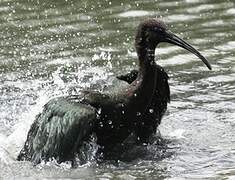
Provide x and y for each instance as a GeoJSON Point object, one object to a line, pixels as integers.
{"type": "Point", "coordinates": [178, 134]}
{"type": "Point", "coordinates": [15, 141]}
{"type": "Point", "coordinates": [5, 156]}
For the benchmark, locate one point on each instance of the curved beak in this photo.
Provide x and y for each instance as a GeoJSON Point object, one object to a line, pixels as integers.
{"type": "Point", "coordinates": [173, 39]}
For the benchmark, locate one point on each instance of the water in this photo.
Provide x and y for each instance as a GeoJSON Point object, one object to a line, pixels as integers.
{"type": "Point", "coordinates": [53, 48]}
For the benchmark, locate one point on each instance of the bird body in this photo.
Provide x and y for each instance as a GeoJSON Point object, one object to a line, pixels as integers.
{"type": "Point", "coordinates": [136, 107]}
{"type": "Point", "coordinates": [68, 121]}
{"type": "Point", "coordinates": [157, 107]}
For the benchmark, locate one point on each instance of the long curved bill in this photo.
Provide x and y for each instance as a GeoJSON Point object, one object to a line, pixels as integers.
{"type": "Point", "coordinates": [173, 39]}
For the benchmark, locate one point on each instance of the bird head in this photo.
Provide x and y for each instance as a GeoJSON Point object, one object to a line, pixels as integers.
{"type": "Point", "coordinates": [151, 32]}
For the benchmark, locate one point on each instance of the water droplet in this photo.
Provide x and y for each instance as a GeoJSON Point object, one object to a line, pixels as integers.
{"type": "Point", "coordinates": [101, 124]}
{"type": "Point", "coordinates": [138, 113]}
{"type": "Point", "coordinates": [151, 110]}
{"type": "Point", "coordinates": [110, 122]}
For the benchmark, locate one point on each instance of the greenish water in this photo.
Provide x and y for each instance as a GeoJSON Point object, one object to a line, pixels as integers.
{"type": "Point", "coordinates": [53, 48]}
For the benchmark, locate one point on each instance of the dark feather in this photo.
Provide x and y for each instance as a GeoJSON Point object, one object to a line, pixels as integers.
{"type": "Point", "coordinates": [59, 130]}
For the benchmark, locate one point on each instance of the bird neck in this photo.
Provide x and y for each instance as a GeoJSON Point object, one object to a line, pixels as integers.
{"type": "Point", "coordinates": [146, 57]}
{"type": "Point", "coordinates": [142, 88]}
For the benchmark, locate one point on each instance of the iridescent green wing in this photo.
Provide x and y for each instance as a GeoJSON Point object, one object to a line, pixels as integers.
{"type": "Point", "coordinates": [59, 130]}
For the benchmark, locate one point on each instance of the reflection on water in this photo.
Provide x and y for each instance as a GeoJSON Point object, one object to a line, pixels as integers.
{"type": "Point", "coordinates": [52, 48]}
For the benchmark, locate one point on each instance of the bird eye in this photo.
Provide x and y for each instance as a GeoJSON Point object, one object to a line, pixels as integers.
{"type": "Point", "coordinates": [158, 29]}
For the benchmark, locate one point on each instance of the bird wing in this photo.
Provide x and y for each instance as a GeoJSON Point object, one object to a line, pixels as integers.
{"type": "Point", "coordinates": [59, 130]}
{"type": "Point", "coordinates": [129, 77]}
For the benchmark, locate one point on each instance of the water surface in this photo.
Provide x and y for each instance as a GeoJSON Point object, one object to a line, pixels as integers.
{"type": "Point", "coordinates": [58, 47]}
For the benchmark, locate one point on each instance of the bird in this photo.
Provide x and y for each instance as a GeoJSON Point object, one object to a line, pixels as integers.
{"type": "Point", "coordinates": [135, 107]}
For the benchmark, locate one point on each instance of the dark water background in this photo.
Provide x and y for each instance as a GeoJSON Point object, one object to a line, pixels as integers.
{"type": "Point", "coordinates": [57, 47]}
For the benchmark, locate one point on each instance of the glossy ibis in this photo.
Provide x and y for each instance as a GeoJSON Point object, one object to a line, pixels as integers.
{"type": "Point", "coordinates": [134, 108]}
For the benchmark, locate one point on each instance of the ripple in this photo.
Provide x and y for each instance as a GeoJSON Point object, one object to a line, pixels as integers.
{"type": "Point", "coordinates": [214, 23]}
{"type": "Point", "coordinates": [178, 60]}
{"type": "Point", "coordinates": [205, 98]}
{"type": "Point", "coordinates": [135, 13]}
{"type": "Point", "coordinates": [67, 61]}
{"type": "Point", "coordinates": [231, 11]}
{"type": "Point", "coordinates": [181, 18]}
{"type": "Point", "coordinates": [222, 78]}
{"type": "Point", "coordinates": [229, 173]}
{"type": "Point", "coordinates": [5, 9]}
{"type": "Point", "coordinates": [226, 47]}
{"type": "Point", "coordinates": [201, 8]}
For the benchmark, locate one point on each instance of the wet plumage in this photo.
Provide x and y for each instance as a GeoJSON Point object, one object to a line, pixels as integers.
{"type": "Point", "coordinates": [136, 107]}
